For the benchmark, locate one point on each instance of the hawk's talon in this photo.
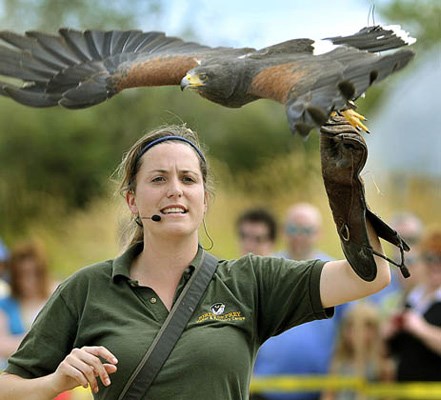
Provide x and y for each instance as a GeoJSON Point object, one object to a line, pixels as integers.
{"type": "Point", "coordinates": [354, 118]}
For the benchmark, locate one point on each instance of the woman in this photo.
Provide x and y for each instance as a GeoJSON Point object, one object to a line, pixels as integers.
{"type": "Point", "coordinates": [106, 315]}
{"type": "Point", "coordinates": [30, 289]}
{"type": "Point", "coordinates": [29, 283]}
{"type": "Point", "coordinates": [414, 335]}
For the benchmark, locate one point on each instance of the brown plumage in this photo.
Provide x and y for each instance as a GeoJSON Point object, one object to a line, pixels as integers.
{"type": "Point", "coordinates": [80, 69]}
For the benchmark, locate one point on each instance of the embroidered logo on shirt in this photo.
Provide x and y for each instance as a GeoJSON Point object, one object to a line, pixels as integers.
{"type": "Point", "coordinates": [218, 308]}
{"type": "Point", "coordinates": [217, 313]}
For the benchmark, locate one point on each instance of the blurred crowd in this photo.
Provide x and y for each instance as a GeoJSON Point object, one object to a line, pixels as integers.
{"type": "Point", "coordinates": [394, 336]}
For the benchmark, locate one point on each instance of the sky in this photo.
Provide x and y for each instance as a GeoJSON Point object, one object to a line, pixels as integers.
{"type": "Point", "coordinates": [252, 23]}
{"type": "Point", "coordinates": [257, 23]}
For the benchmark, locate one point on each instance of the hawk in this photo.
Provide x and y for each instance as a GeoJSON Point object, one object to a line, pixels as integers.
{"type": "Point", "coordinates": [313, 79]}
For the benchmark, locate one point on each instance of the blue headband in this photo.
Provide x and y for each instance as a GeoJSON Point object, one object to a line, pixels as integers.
{"type": "Point", "coordinates": [170, 137]}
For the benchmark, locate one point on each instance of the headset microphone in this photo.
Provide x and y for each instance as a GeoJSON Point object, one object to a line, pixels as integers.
{"type": "Point", "coordinates": [154, 217]}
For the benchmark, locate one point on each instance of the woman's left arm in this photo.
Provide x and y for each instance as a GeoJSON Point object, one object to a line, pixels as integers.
{"type": "Point", "coordinates": [340, 284]}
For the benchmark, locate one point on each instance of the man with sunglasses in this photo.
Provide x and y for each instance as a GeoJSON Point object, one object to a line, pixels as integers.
{"type": "Point", "coordinates": [302, 229]}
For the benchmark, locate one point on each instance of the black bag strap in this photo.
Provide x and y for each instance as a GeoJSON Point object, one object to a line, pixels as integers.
{"type": "Point", "coordinates": [164, 342]}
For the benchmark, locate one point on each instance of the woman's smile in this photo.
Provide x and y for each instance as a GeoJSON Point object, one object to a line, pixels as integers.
{"type": "Point", "coordinates": [174, 210]}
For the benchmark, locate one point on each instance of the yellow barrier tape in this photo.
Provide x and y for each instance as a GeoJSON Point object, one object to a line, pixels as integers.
{"type": "Point", "coordinates": [290, 383]}
{"type": "Point", "coordinates": [304, 383]}
{"type": "Point", "coordinates": [286, 384]}
{"type": "Point", "coordinates": [417, 390]}
{"type": "Point", "coordinates": [80, 393]}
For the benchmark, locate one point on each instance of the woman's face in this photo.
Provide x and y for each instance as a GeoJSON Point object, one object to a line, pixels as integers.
{"type": "Point", "coordinates": [28, 278]}
{"type": "Point", "coordinates": [169, 183]}
{"type": "Point", "coordinates": [432, 263]}
{"type": "Point", "coordinates": [363, 333]}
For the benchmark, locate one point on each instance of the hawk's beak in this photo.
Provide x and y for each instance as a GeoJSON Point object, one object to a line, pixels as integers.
{"type": "Point", "coordinates": [191, 81]}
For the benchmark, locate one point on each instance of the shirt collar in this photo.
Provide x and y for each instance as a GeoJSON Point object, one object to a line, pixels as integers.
{"type": "Point", "coordinates": [121, 265]}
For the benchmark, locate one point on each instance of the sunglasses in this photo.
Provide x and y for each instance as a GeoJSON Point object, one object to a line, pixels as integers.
{"type": "Point", "coordinates": [411, 260]}
{"type": "Point", "coordinates": [411, 240]}
{"type": "Point", "coordinates": [294, 230]}
{"type": "Point", "coordinates": [431, 259]}
{"type": "Point", "coordinates": [254, 238]}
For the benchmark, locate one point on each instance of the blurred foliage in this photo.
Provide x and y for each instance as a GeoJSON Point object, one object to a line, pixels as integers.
{"type": "Point", "coordinates": [49, 15]}
{"type": "Point", "coordinates": [422, 18]}
{"type": "Point", "coordinates": [57, 156]}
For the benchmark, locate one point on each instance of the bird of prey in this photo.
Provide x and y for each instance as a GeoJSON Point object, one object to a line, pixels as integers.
{"type": "Point", "coordinates": [78, 69]}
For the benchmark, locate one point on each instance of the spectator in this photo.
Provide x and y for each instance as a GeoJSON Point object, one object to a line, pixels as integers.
{"type": "Point", "coordinates": [414, 336]}
{"type": "Point", "coordinates": [4, 286]}
{"type": "Point", "coordinates": [409, 226]}
{"type": "Point", "coordinates": [257, 232]}
{"type": "Point", "coordinates": [307, 349]}
{"type": "Point", "coordinates": [394, 300]}
{"type": "Point", "coordinates": [359, 350]}
{"type": "Point", "coordinates": [302, 229]}
{"type": "Point", "coordinates": [29, 291]}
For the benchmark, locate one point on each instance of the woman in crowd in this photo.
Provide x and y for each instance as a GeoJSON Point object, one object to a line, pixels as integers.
{"type": "Point", "coordinates": [414, 334]}
{"type": "Point", "coordinates": [29, 281]}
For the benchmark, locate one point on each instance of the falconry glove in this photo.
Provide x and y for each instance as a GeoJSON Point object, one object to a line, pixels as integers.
{"type": "Point", "coordinates": [343, 155]}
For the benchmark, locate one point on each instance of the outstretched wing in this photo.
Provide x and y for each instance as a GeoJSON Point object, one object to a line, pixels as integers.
{"type": "Point", "coordinates": [79, 69]}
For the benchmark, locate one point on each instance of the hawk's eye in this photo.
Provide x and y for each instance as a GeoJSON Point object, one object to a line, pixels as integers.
{"type": "Point", "coordinates": [203, 76]}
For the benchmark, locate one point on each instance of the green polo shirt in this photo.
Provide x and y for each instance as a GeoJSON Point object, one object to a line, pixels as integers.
{"type": "Point", "coordinates": [247, 301]}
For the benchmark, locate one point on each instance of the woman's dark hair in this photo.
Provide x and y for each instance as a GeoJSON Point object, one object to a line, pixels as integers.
{"type": "Point", "coordinates": [259, 215]}
{"type": "Point", "coordinates": [29, 251]}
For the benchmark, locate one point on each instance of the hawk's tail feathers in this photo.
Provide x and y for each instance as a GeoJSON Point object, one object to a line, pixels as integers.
{"type": "Point", "coordinates": [376, 38]}
{"type": "Point", "coordinates": [361, 75]}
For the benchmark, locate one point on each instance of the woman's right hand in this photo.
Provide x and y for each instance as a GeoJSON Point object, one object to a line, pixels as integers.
{"type": "Point", "coordinates": [82, 367]}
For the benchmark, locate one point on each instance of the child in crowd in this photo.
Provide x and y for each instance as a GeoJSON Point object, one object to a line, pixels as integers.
{"type": "Point", "coordinates": [359, 350]}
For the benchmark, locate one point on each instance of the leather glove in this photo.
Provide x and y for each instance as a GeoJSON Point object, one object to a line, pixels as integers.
{"type": "Point", "coordinates": [343, 156]}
